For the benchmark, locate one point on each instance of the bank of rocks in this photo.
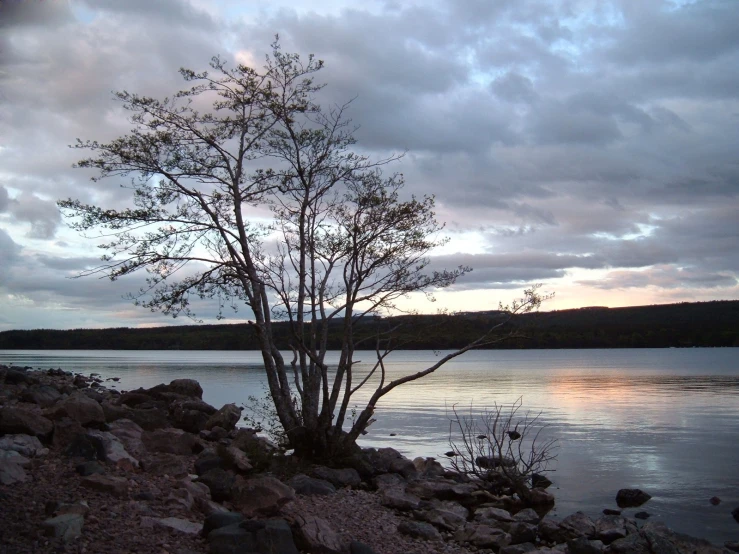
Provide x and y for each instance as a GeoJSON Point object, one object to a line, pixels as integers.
{"type": "Point", "coordinates": [87, 469]}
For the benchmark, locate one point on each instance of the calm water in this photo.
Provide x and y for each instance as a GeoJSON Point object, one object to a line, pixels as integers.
{"type": "Point", "coordinates": [665, 421]}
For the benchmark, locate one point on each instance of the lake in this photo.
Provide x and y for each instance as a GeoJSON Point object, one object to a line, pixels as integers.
{"type": "Point", "coordinates": [663, 420]}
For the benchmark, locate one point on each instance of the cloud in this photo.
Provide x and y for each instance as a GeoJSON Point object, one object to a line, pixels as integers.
{"type": "Point", "coordinates": [42, 215]}
{"type": "Point", "coordinates": [663, 277]}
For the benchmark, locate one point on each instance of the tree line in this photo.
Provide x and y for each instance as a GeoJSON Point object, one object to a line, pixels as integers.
{"type": "Point", "coordinates": [701, 324]}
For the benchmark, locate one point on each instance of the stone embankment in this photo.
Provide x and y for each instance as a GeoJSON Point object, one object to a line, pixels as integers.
{"type": "Point", "coordinates": [88, 469]}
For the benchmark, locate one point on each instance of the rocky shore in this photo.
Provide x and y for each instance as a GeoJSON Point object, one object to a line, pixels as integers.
{"type": "Point", "coordinates": [87, 469]}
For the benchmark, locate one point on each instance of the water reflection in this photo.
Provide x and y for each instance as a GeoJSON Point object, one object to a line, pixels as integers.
{"type": "Point", "coordinates": [660, 420]}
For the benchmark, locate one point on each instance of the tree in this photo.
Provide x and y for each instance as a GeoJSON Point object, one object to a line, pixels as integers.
{"type": "Point", "coordinates": [341, 243]}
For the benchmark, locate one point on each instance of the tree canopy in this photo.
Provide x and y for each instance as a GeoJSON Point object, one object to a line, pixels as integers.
{"type": "Point", "coordinates": [341, 241]}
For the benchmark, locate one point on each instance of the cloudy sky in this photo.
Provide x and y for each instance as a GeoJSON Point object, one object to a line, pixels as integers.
{"type": "Point", "coordinates": [590, 145]}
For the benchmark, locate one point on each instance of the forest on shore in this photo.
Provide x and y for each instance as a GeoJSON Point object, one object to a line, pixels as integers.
{"type": "Point", "coordinates": [698, 324]}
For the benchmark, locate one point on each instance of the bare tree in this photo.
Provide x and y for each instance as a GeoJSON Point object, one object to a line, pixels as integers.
{"type": "Point", "coordinates": [341, 243]}
{"type": "Point", "coordinates": [501, 446]}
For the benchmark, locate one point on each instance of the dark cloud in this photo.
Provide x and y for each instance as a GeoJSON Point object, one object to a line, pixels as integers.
{"type": "Point", "coordinates": [42, 215]}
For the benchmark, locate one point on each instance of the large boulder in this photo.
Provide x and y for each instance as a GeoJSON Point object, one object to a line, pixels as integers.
{"type": "Point", "coordinates": [577, 525]}
{"type": "Point", "coordinates": [220, 483]}
{"type": "Point", "coordinates": [26, 445]}
{"type": "Point", "coordinates": [129, 433]}
{"type": "Point", "coordinates": [483, 536]}
{"type": "Point", "coordinates": [261, 495]}
{"type": "Point", "coordinates": [227, 417]}
{"type": "Point", "coordinates": [188, 388]}
{"type": "Point", "coordinates": [169, 440]}
{"type": "Point", "coordinates": [347, 477]}
{"type": "Point", "coordinates": [115, 452]}
{"type": "Point", "coordinates": [419, 530]}
{"type": "Point", "coordinates": [190, 415]}
{"type": "Point", "coordinates": [631, 498]}
{"type": "Point", "coordinates": [16, 420]}
{"type": "Point", "coordinates": [166, 464]}
{"type": "Point", "coordinates": [66, 526]}
{"type": "Point", "coordinates": [43, 395]}
{"type": "Point", "coordinates": [80, 408]}
{"type": "Point", "coordinates": [310, 486]}
{"type": "Point", "coordinates": [399, 499]}
{"type": "Point", "coordinates": [117, 486]}
{"type": "Point", "coordinates": [11, 467]}
{"type": "Point", "coordinates": [315, 534]}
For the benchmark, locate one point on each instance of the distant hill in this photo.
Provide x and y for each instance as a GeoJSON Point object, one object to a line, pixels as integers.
{"type": "Point", "coordinates": [671, 325]}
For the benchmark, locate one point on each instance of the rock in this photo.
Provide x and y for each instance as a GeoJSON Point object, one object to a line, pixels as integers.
{"type": "Point", "coordinates": [117, 486]}
{"type": "Point", "coordinates": [419, 530]}
{"type": "Point", "coordinates": [207, 461]}
{"type": "Point", "coordinates": [182, 525]}
{"type": "Point", "coordinates": [235, 459]}
{"type": "Point", "coordinates": [642, 515]}
{"type": "Point", "coordinates": [428, 467]}
{"type": "Point", "coordinates": [11, 471]}
{"type": "Point", "coordinates": [79, 508]}
{"type": "Point", "coordinates": [715, 501]}
{"type": "Point", "coordinates": [199, 491]}
{"type": "Point", "coordinates": [442, 489]}
{"type": "Point", "coordinates": [190, 415]}
{"type": "Point", "coordinates": [398, 499]}
{"type": "Point", "coordinates": [276, 537]}
{"type": "Point", "coordinates": [221, 519]}
{"type": "Point", "coordinates": [261, 495]}
{"type": "Point", "coordinates": [540, 481]}
{"type": "Point", "coordinates": [66, 526]}
{"type": "Point", "coordinates": [633, 544]}
{"type": "Point", "coordinates": [150, 419]}
{"type": "Point", "coordinates": [347, 477]}
{"type": "Point", "coordinates": [527, 515]}
{"type": "Point", "coordinates": [735, 514]}
{"type": "Point", "coordinates": [612, 528]}
{"type": "Point", "coordinates": [43, 395]}
{"type": "Point", "coordinates": [86, 446]}
{"type": "Point", "coordinates": [389, 481]}
{"type": "Point", "coordinates": [65, 431]}
{"type": "Point", "coordinates": [80, 408]}
{"type": "Point", "coordinates": [169, 441]}
{"type": "Point", "coordinates": [522, 532]}
{"type": "Point", "coordinates": [166, 464]}
{"type": "Point", "coordinates": [494, 517]}
{"type": "Point", "coordinates": [732, 545]}
{"type": "Point", "coordinates": [578, 525]}
{"type": "Point", "coordinates": [315, 534]}
{"type": "Point", "coordinates": [389, 460]}
{"type": "Point", "coordinates": [310, 486]}
{"type": "Point", "coordinates": [19, 421]}
{"type": "Point", "coordinates": [550, 531]}
{"type": "Point", "coordinates": [231, 539]}
{"type": "Point", "coordinates": [584, 546]}
{"type": "Point", "coordinates": [483, 536]}
{"type": "Point", "coordinates": [25, 445]}
{"type": "Point", "coordinates": [610, 512]}
{"type": "Point", "coordinates": [357, 547]}
{"type": "Point", "coordinates": [518, 548]}
{"type": "Point", "coordinates": [115, 452]}
{"type": "Point", "coordinates": [113, 412]}
{"type": "Point", "coordinates": [448, 516]}
{"type": "Point", "coordinates": [129, 433]}
{"type": "Point", "coordinates": [89, 468]}
{"type": "Point", "coordinates": [540, 497]}
{"type": "Point", "coordinates": [220, 483]}
{"type": "Point", "coordinates": [188, 388]}
{"type": "Point", "coordinates": [631, 498]}
{"type": "Point", "coordinates": [227, 417]}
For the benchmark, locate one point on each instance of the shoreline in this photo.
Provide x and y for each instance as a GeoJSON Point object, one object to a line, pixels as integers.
{"type": "Point", "coordinates": [158, 462]}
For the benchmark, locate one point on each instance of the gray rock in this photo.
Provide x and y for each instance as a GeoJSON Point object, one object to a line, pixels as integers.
{"type": "Point", "coordinates": [347, 477]}
{"type": "Point", "coordinates": [261, 495]}
{"type": "Point", "coordinates": [528, 515]}
{"type": "Point", "coordinates": [19, 421]}
{"type": "Point", "coordinates": [732, 545]}
{"type": "Point", "coordinates": [65, 431]}
{"type": "Point", "coordinates": [86, 446]}
{"type": "Point", "coordinates": [220, 482]}
{"type": "Point", "coordinates": [735, 514]}
{"type": "Point", "coordinates": [398, 499]}
{"type": "Point", "coordinates": [43, 395]}
{"type": "Point", "coordinates": [25, 445]}
{"type": "Point", "coordinates": [584, 546]}
{"type": "Point", "coordinates": [522, 532]}
{"type": "Point", "coordinates": [190, 415]}
{"type": "Point", "coordinates": [389, 480]}
{"type": "Point", "coordinates": [419, 530]}
{"type": "Point", "coordinates": [89, 468]}
{"type": "Point", "coordinates": [227, 417]}
{"type": "Point", "coordinates": [309, 486]}
{"type": "Point", "coordinates": [315, 534]}
{"type": "Point", "coordinates": [540, 497]}
{"type": "Point", "coordinates": [631, 498]}
{"type": "Point", "coordinates": [577, 525]}
{"type": "Point", "coordinates": [67, 526]}
{"type": "Point", "coordinates": [169, 441]}
{"type": "Point", "coordinates": [11, 470]}
{"type": "Point", "coordinates": [522, 548]}
{"type": "Point", "coordinates": [483, 536]}
{"type": "Point", "coordinates": [221, 519]}
{"type": "Point", "coordinates": [633, 544]}
{"type": "Point", "coordinates": [231, 539]}
{"type": "Point", "coordinates": [207, 461]}
{"type": "Point", "coordinates": [166, 464]}
{"type": "Point", "coordinates": [115, 452]}
{"type": "Point", "coordinates": [357, 547]}
{"type": "Point", "coordinates": [494, 517]}
{"type": "Point", "coordinates": [178, 524]}
{"type": "Point", "coordinates": [276, 537]}
{"type": "Point", "coordinates": [612, 528]}
{"type": "Point", "coordinates": [80, 408]}
{"type": "Point", "coordinates": [550, 531]}
{"type": "Point", "coordinates": [428, 467]}
{"type": "Point", "coordinates": [117, 486]}
{"type": "Point", "coordinates": [443, 519]}
{"type": "Point", "coordinates": [236, 459]}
